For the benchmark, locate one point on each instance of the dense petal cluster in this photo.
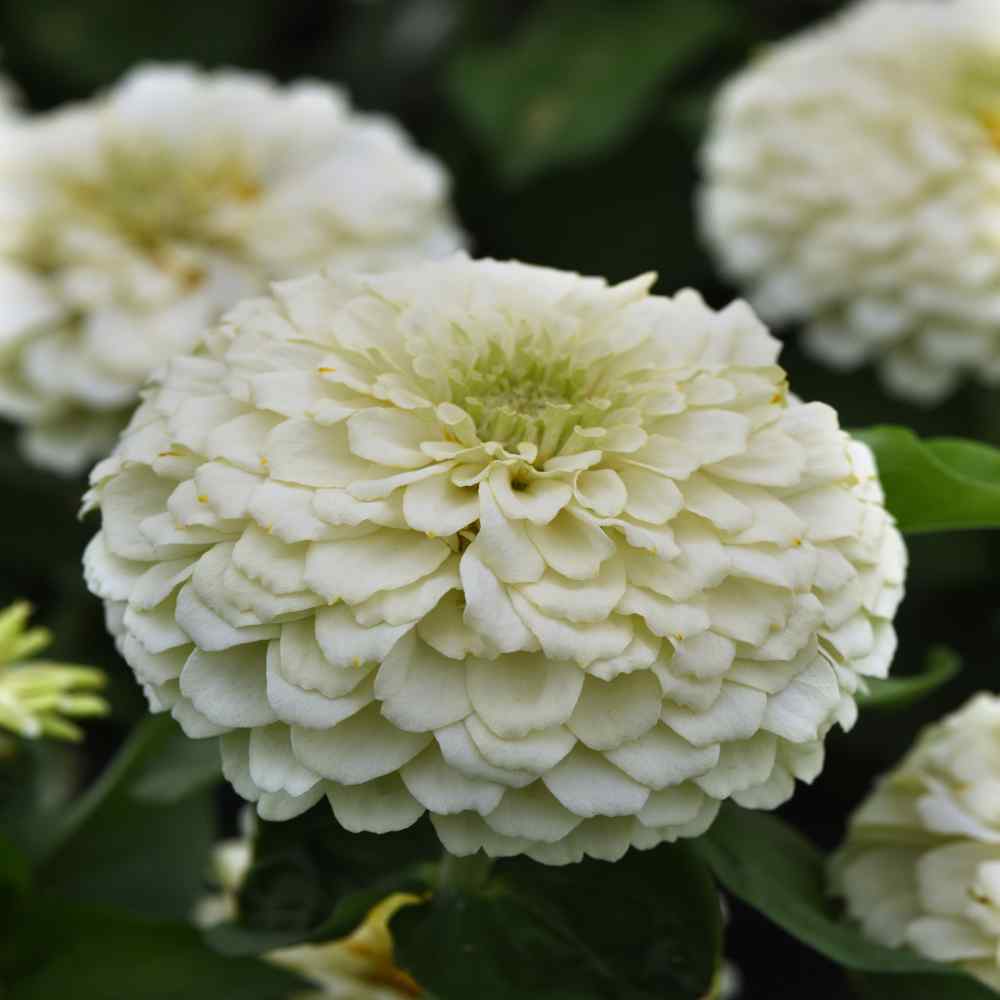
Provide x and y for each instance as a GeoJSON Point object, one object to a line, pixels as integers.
{"type": "Point", "coordinates": [853, 184]}
{"type": "Point", "coordinates": [39, 698]}
{"type": "Point", "coordinates": [129, 223]}
{"type": "Point", "coordinates": [561, 564]}
{"type": "Point", "coordinates": [921, 862]}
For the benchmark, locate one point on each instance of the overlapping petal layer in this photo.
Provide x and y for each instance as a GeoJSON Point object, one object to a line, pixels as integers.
{"type": "Point", "coordinates": [131, 222]}
{"type": "Point", "coordinates": [853, 185]}
{"type": "Point", "coordinates": [559, 563]}
{"type": "Point", "coordinates": [921, 862]}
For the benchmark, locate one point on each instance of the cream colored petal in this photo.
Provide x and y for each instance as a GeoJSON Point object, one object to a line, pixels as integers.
{"type": "Point", "coordinates": [587, 785]}
{"type": "Point", "coordinates": [519, 693]}
{"type": "Point", "coordinates": [230, 688]}
{"type": "Point", "coordinates": [357, 750]}
{"type": "Point", "coordinates": [384, 805]}
{"type": "Point", "coordinates": [444, 790]}
{"type": "Point", "coordinates": [421, 690]}
{"type": "Point", "coordinates": [610, 713]}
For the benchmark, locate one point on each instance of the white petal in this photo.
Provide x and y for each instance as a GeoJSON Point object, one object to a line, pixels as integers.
{"type": "Point", "coordinates": [354, 569]}
{"type": "Point", "coordinates": [361, 748]}
{"type": "Point", "coordinates": [459, 750]}
{"type": "Point", "coordinates": [279, 807]}
{"type": "Point", "coordinates": [273, 767]}
{"type": "Point", "coordinates": [230, 688]}
{"type": "Point", "coordinates": [303, 663]}
{"type": "Point", "coordinates": [380, 806]}
{"type": "Point", "coordinates": [582, 643]}
{"type": "Point", "coordinates": [586, 784]}
{"type": "Point", "coordinates": [435, 505]}
{"type": "Point", "coordinates": [348, 645]}
{"type": "Point", "coordinates": [523, 692]}
{"type": "Point", "coordinates": [798, 713]}
{"type": "Point", "coordinates": [610, 713]}
{"type": "Point", "coordinates": [661, 758]}
{"type": "Point", "coordinates": [391, 437]}
{"type": "Point", "coordinates": [534, 754]}
{"type": "Point", "coordinates": [503, 544]}
{"type": "Point", "coordinates": [572, 545]}
{"type": "Point", "coordinates": [672, 806]}
{"type": "Point", "coordinates": [297, 707]}
{"type": "Point", "coordinates": [442, 789]}
{"type": "Point", "coordinates": [488, 609]}
{"type": "Point", "coordinates": [408, 604]}
{"type": "Point", "coordinates": [742, 764]}
{"type": "Point", "coordinates": [651, 497]}
{"type": "Point", "coordinates": [208, 630]}
{"type": "Point", "coordinates": [420, 689]}
{"type": "Point", "coordinates": [736, 715]}
{"type": "Point", "coordinates": [590, 600]}
{"type": "Point", "coordinates": [532, 812]}
{"type": "Point", "coordinates": [538, 501]}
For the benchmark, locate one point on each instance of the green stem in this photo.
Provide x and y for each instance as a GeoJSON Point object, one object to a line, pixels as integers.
{"type": "Point", "coordinates": [463, 874]}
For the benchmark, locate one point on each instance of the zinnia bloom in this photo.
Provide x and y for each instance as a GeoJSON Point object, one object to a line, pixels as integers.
{"type": "Point", "coordinates": [561, 564]}
{"type": "Point", "coordinates": [853, 185]}
{"type": "Point", "coordinates": [39, 698]}
{"type": "Point", "coordinates": [131, 222]}
{"type": "Point", "coordinates": [921, 862]}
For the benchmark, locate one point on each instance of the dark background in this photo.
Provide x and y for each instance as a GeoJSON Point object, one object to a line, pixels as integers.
{"type": "Point", "coordinates": [572, 132]}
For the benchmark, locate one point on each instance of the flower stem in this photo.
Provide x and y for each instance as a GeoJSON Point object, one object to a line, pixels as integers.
{"type": "Point", "coordinates": [463, 874]}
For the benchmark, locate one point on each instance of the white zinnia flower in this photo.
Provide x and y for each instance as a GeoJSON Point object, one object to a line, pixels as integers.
{"type": "Point", "coordinates": [853, 184]}
{"type": "Point", "coordinates": [129, 223]}
{"type": "Point", "coordinates": [921, 862]}
{"type": "Point", "coordinates": [561, 564]}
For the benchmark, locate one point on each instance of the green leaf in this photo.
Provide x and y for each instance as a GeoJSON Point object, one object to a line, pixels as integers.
{"type": "Point", "coordinates": [577, 77]}
{"type": "Point", "coordinates": [770, 866]}
{"type": "Point", "coordinates": [111, 848]}
{"type": "Point", "coordinates": [936, 484]}
{"type": "Point", "coordinates": [15, 871]}
{"type": "Point", "coordinates": [53, 950]}
{"type": "Point", "coordinates": [871, 986]}
{"type": "Point", "coordinates": [311, 880]}
{"type": "Point", "coordinates": [536, 932]}
{"type": "Point", "coordinates": [941, 665]}
{"type": "Point", "coordinates": [181, 767]}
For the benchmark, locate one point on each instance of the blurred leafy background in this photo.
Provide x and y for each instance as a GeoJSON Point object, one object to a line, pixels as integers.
{"type": "Point", "coordinates": [572, 130]}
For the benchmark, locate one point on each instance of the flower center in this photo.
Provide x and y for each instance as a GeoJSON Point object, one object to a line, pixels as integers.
{"type": "Point", "coordinates": [532, 396]}
{"type": "Point", "coordinates": [153, 197]}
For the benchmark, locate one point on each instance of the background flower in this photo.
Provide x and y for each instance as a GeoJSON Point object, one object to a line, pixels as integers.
{"type": "Point", "coordinates": [39, 698]}
{"type": "Point", "coordinates": [853, 185]}
{"type": "Point", "coordinates": [128, 223]}
{"type": "Point", "coordinates": [560, 563]}
{"type": "Point", "coordinates": [921, 862]}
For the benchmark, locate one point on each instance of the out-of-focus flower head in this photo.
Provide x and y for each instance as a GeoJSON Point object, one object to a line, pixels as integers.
{"type": "Point", "coordinates": [853, 185]}
{"type": "Point", "coordinates": [130, 222]}
{"type": "Point", "coordinates": [562, 564]}
{"type": "Point", "coordinates": [921, 862]}
{"type": "Point", "coordinates": [39, 698]}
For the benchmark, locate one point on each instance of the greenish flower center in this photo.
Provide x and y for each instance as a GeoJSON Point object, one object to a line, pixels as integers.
{"type": "Point", "coordinates": [536, 395]}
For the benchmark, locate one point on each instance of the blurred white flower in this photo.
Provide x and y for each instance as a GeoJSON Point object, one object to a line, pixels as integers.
{"type": "Point", "coordinates": [559, 563]}
{"type": "Point", "coordinates": [39, 698]}
{"type": "Point", "coordinates": [921, 862]}
{"type": "Point", "coordinates": [853, 184]}
{"type": "Point", "coordinates": [129, 223]}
